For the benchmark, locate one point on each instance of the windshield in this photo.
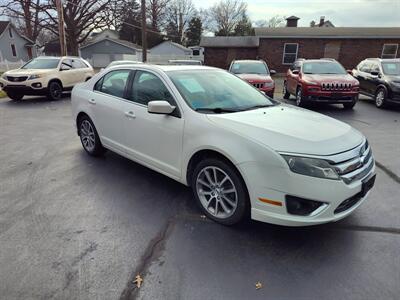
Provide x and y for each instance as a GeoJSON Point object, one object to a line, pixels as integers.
{"type": "Point", "coordinates": [249, 67]}
{"type": "Point", "coordinates": [217, 90]}
{"type": "Point", "coordinates": [323, 67]}
{"type": "Point", "coordinates": [391, 68]}
{"type": "Point", "coordinates": [42, 63]}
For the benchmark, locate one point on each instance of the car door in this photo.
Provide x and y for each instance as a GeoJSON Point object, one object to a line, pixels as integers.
{"type": "Point", "coordinates": [292, 78]}
{"type": "Point", "coordinates": [107, 108]}
{"type": "Point", "coordinates": [373, 78]}
{"type": "Point", "coordinates": [80, 71]}
{"type": "Point", "coordinates": [362, 76]}
{"type": "Point", "coordinates": [67, 73]}
{"type": "Point", "coordinates": [154, 139]}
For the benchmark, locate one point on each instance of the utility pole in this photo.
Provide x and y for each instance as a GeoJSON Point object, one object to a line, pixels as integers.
{"type": "Point", "coordinates": [61, 29]}
{"type": "Point", "coordinates": [144, 36]}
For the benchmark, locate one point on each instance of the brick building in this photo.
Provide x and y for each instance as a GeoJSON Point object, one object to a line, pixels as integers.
{"type": "Point", "coordinates": [281, 46]}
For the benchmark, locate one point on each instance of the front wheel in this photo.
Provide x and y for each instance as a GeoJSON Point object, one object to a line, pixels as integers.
{"type": "Point", "coordinates": [15, 96]}
{"type": "Point", "coordinates": [89, 138]}
{"type": "Point", "coordinates": [300, 101]}
{"type": "Point", "coordinates": [380, 98]}
{"type": "Point", "coordinates": [220, 191]}
{"type": "Point", "coordinates": [54, 91]}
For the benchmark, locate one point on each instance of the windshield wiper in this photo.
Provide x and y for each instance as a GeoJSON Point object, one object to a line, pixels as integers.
{"type": "Point", "coordinates": [257, 106]}
{"type": "Point", "coordinates": [217, 110]}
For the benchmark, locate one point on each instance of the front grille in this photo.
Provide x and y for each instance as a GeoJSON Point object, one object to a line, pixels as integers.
{"type": "Point", "coordinates": [258, 85]}
{"type": "Point", "coordinates": [355, 164]}
{"type": "Point", "coordinates": [336, 86]}
{"type": "Point", "coordinates": [17, 79]}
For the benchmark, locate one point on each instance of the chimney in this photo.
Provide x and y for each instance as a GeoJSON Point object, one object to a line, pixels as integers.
{"type": "Point", "coordinates": [321, 21]}
{"type": "Point", "coordinates": [292, 21]}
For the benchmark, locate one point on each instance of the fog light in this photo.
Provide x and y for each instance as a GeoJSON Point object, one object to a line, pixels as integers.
{"type": "Point", "coordinates": [37, 85]}
{"type": "Point", "coordinates": [302, 207]}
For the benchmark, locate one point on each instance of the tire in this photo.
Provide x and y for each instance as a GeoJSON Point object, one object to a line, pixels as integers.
{"type": "Point", "coordinates": [380, 97]}
{"type": "Point", "coordinates": [300, 101]}
{"type": "Point", "coordinates": [224, 200]}
{"type": "Point", "coordinates": [54, 91]}
{"type": "Point", "coordinates": [89, 138]}
{"type": "Point", "coordinates": [350, 105]}
{"type": "Point", "coordinates": [286, 94]}
{"type": "Point", "coordinates": [15, 96]}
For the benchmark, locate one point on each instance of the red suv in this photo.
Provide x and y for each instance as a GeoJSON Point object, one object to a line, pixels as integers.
{"type": "Point", "coordinates": [321, 81]}
{"type": "Point", "coordinates": [256, 73]}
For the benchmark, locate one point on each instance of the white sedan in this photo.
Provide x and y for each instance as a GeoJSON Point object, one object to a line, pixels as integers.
{"type": "Point", "coordinates": [242, 153]}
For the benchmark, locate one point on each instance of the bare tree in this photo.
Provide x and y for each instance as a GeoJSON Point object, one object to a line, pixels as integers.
{"type": "Point", "coordinates": [81, 17]}
{"type": "Point", "coordinates": [179, 14]}
{"type": "Point", "coordinates": [26, 13]}
{"type": "Point", "coordinates": [156, 13]}
{"type": "Point", "coordinates": [225, 15]}
{"type": "Point", "coordinates": [275, 21]}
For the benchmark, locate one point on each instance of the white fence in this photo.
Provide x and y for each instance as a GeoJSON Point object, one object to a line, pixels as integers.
{"type": "Point", "coordinates": [6, 65]}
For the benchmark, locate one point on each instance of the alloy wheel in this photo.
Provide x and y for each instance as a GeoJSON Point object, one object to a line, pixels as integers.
{"type": "Point", "coordinates": [87, 135]}
{"type": "Point", "coordinates": [298, 97]}
{"type": "Point", "coordinates": [217, 192]}
{"type": "Point", "coordinates": [55, 91]}
{"type": "Point", "coordinates": [380, 98]}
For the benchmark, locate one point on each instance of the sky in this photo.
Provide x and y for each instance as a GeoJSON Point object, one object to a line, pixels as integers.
{"type": "Point", "coordinates": [344, 13]}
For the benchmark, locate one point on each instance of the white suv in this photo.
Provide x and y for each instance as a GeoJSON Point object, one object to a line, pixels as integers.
{"type": "Point", "coordinates": [241, 152]}
{"type": "Point", "coordinates": [48, 76]}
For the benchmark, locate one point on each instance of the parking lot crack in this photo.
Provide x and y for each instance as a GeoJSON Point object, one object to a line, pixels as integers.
{"type": "Point", "coordinates": [153, 251]}
{"type": "Point", "coordinates": [388, 172]}
{"type": "Point", "coordinates": [390, 230]}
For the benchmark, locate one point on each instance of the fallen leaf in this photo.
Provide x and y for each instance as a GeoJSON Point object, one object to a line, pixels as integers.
{"type": "Point", "coordinates": [258, 285]}
{"type": "Point", "coordinates": [138, 281]}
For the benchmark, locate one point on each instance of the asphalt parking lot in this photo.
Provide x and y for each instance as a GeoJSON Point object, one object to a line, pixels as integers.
{"type": "Point", "coordinates": [77, 227]}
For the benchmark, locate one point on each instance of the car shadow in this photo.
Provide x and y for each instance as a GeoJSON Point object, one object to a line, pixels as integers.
{"type": "Point", "coordinates": [27, 100]}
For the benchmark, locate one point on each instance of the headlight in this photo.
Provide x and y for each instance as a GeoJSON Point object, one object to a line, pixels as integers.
{"type": "Point", "coordinates": [268, 84]}
{"type": "Point", "coordinates": [34, 76]}
{"type": "Point", "coordinates": [311, 167]}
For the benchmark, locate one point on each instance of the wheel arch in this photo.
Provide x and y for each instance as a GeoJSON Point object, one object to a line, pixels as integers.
{"type": "Point", "coordinates": [55, 80]}
{"type": "Point", "coordinates": [203, 154]}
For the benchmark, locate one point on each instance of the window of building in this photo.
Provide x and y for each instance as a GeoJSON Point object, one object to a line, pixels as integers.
{"type": "Point", "coordinates": [290, 53]}
{"type": "Point", "coordinates": [13, 50]}
{"type": "Point", "coordinates": [10, 33]}
{"type": "Point", "coordinates": [389, 51]}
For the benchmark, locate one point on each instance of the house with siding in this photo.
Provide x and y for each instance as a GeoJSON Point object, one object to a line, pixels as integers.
{"type": "Point", "coordinates": [170, 48]}
{"type": "Point", "coordinates": [280, 47]}
{"type": "Point", "coordinates": [13, 45]}
{"type": "Point", "coordinates": [101, 51]}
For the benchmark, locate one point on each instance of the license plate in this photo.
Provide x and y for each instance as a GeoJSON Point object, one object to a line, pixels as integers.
{"type": "Point", "coordinates": [367, 184]}
{"type": "Point", "coordinates": [336, 96]}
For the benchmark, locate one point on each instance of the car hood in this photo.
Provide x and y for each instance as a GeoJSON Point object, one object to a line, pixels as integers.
{"type": "Point", "coordinates": [255, 77]}
{"type": "Point", "coordinates": [291, 129]}
{"type": "Point", "coordinates": [328, 78]}
{"type": "Point", "coordinates": [21, 72]}
{"type": "Point", "coordinates": [393, 78]}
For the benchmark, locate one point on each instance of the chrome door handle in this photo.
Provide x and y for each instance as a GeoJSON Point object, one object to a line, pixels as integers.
{"type": "Point", "coordinates": [92, 101]}
{"type": "Point", "coordinates": [130, 114]}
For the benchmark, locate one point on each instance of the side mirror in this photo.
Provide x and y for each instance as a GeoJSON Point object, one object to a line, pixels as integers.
{"type": "Point", "coordinates": [350, 72]}
{"type": "Point", "coordinates": [296, 72]}
{"type": "Point", "coordinates": [272, 72]}
{"type": "Point", "coordinates": [375, 73]}
{"type": "Point", "coordinates": [160, 107]}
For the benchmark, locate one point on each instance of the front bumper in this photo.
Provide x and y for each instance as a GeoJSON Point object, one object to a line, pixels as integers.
{"type": "Point", "coordinates": [273, 183]}
{"type": "Point", "coordinates": [331, 96]}
{"type": "Point", "coordinates": [28, 87]}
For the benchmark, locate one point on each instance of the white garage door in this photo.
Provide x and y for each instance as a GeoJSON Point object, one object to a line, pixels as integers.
{"type": "Point", "coordinates": [101, 60]}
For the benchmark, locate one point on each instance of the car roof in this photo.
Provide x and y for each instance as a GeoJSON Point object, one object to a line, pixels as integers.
{"type": "Point", "coordinates": [384, 59]}
{"type": "Point", "coordinates": [316, 60]}
{"type": "Point", "coordinates": [248, 60]}
{"type": "Point", "coordinates": [58, 57]}
{"type": "Point", "coordinates": [164, 68]}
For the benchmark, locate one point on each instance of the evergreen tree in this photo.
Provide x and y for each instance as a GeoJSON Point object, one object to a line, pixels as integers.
{"type": "Point", "coordinates": [194, 31]}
